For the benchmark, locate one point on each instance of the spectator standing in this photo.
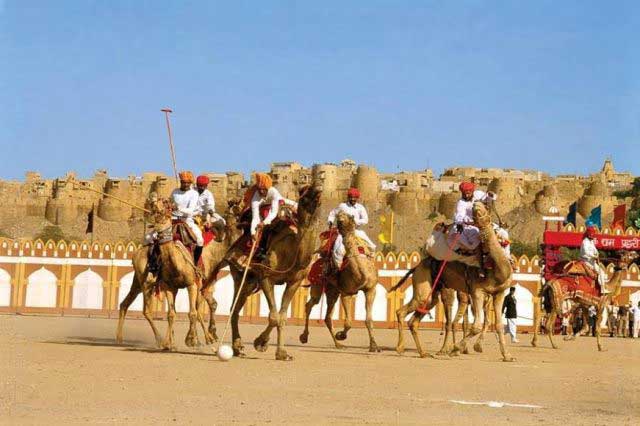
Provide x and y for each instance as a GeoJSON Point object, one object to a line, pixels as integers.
{"type": "Point", "coordinates": [511, 313]}
{"type": "Point", "coordinates": [593, 312]}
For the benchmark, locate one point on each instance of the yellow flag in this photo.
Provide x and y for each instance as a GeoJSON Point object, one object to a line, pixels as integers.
{"type": "Point", "coordinates": [386, 229]}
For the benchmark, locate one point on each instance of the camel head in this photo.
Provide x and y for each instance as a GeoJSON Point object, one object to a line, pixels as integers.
{"type": "Point", "coordinates": [345, 223]}
{"type": "Point", "coordinates": [481, 215]}
{"type": "Point", "coordinates": [308, 203]}
{"type": "Point", "coordinates": [158, 210]}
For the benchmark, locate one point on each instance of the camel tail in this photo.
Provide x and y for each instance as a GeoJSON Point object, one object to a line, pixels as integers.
{"type": "Point", "coordinates": [406, 276]}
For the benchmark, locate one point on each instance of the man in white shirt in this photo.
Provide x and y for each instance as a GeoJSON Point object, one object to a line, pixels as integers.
{"type": "Point", "coordinates": [636, 320]}
{"type": "Point", "coordinates": [589, 254]}
{"type": "Point", "coordinates": [185, 201]}
{"type": "Point", "coordinates": [360, 216]}
{"type": "Point", "coordinates": [206, 208]}
{"type": "Point", "coordinates": [463, 216]}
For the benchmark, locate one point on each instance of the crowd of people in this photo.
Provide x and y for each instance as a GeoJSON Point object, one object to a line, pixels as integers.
{"type": "Point", "coordinates": [621, 320]}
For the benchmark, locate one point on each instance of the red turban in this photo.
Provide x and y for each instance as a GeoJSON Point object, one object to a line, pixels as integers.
{"type": "Point", "coordinates": [353, 192]}
{"type": "Point", "coordinates": [467, 187]}
{"type": "Point", "coordinates": [202, 180]}
{"type": "Point", "coordinates": [591, 232]}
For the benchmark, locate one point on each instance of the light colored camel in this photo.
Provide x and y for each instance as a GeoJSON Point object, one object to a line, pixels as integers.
{"type": "Point", "coordinates": [170, 278]}
{"type": "Point", "coordinates": [287, 261]}
{"type": "Point", "coordinates": [359, 274]}
{"type": "Point", "coordinates": [458, 277]}
{"type": "Point", "coordinates": [553, 302]}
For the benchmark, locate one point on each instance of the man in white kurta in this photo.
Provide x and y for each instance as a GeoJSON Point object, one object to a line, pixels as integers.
{"type": "Point", "coordinates": [206, 207]}
{"type": "Point", "coordinates": [185, 201]}
{"type": "Point", "coordinates": [589, 254]}
{"type": "Point", "coordinates": [360, 216]}
{"type": "Point", "coordinates": [463, 216]}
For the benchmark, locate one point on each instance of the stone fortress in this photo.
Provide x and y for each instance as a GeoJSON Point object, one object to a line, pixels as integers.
{"type": "Point", "coordinates": [417, 199]}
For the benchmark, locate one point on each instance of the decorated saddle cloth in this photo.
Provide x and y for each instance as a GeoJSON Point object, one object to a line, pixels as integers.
{"type": "Point", "coordinates": [577, 287]}
{"type": "Point", "coordinates": [440, 246]}
{"type": "Point", "coordinates": [576, 267]}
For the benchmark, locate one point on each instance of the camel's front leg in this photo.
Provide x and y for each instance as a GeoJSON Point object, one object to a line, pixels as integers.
{"type": "Point", "coordinates": [477, 305]}
{"type": "Point", "coordinates": [134, 291]}
{"type": "Point", "coordinates": [261, 343]}
{"type": "Point", "coordinates": [289, 292]}
{"type": "Point", "coordinates": [370, 296]}
{"type": "Point", "coordinates": [147, 296]}
{"type": "Point", "coordinates": [347, 304]}
{"type": "Point", "coordinates": [332, 298]}
{"type": "Point", "coordinates": [597, 326]}
{"type": "Point", "coordinates": [478, 347]}
{"type": "Point", "coordinates": [213, 305]}
{"type": "Point", "coordinates": [169, 344]}
{"type": "Point", "coordinates": [401, 314]}
{"type": "Point", "coordinates": [550, 326]}
{"type": "Point", "coordinates": [536, 321]}
{"type": "Point", "coordinates": [240, 298]}
{"type": "Point", "coordinates": [447, 296]}
{"type": "Point", "coordinates": [414, 324]}
{"type": "Point", "coordinates": [315, 293]}
{"type": "Point", "coordinates": [497, 308]}
{"type": "Point", "coordinates": [192, 336]}
{"type": "Point", "coordinates": [200, 304]}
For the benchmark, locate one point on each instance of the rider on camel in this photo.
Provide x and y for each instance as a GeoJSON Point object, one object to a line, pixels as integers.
{"type": "Point", "coordinates": [185, 200]}
{"type": "Point", "coordinates": [359, 214]}
{"type": "Point", "coordinates": [589, 255]}
{"type": "Point", "coordinates": [206, 209]}
{"type": "Point", "coordinates": [469, 238]}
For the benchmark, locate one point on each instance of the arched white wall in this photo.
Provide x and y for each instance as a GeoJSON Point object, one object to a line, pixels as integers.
{"type": "Point", "coordinates": [42, 289]}
{"type": "Point", "coordinates": [5, 288]}
{"type": "Point", "coordinates": [278, 291]}
{"type": "Point", "coordinates": [223, 293]}
{"type": "Point", "coordinates": [125, 286]}
{"type": "Point", "coordinates": [87, 291]}
{"type": "Point", "coordinates": [524, 305]}
{"type": "Point", "coordinates": [379, 309]}
{"type": "Point", "coordinates": [320, 309]}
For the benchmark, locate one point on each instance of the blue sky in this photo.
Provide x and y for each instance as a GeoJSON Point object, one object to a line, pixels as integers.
{"type": "Point", "coordinates": [406, 85]}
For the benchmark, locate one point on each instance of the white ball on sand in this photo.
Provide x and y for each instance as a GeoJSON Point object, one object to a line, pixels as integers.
{"type": "Point", "coordinates": [225, 353]}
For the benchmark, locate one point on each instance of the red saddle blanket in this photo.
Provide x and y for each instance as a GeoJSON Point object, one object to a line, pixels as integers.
{"type": "Point", "coordinates": [578, 287]}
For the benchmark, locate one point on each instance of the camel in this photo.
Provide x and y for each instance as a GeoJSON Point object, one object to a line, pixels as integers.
{"type": "Point", "coordinates": [458, 276]}
{"type": "Point", "coordinates": [288, 258]}
{"type": "Point", "coordinates": [554, 296]}
{"type": "Point", "coordinates": [179, 272]}
{"type": "Point", "coordinates": [359, 274]}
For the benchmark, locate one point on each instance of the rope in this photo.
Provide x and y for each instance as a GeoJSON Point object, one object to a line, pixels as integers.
{"type": "Point", "coordinates": [235, 302]}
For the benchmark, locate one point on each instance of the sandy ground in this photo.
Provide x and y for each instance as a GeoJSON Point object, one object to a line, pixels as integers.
{"type": "Point", "coordinates": [68, 370]}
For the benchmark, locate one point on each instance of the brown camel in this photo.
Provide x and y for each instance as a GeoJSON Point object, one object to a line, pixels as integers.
{"type": "Point", "coordinates": [553, 298]}
{"type": "Point", "coordinates": [287, 262]}
{"type": "Point", "coordinates": [178, 272]}
{"type": "Point", "coordinates": [461, 278]}
{"type": "Point", "coordinates": [359, 274]}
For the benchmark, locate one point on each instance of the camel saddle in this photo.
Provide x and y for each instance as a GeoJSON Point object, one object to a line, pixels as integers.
{"type": "Point", "coordinates": [580, 288]}
{"type": "Point", "coordinates": [575, 267]}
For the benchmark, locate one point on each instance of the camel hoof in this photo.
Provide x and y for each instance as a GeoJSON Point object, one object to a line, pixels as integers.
{"type": "Point", "coordinates": [508, 358]}
{"type": "Point", "coordinates": [465, 351]}
{"type": "Point", "coordinates": [478, 348]}
{"type": "Point", "coordinates": [374, 348]}
{"type": "Point", "coordinates": [400, 350]}
{"type": "Point", "coordinates": [282, 355]}
{"type": "Point", "coordinates": [340, 346]}
{"type": "Point", "coordinates": [424, 355]}
{"type": "Point", "coordinates": [341, 335]}
{"type": "Point", "coordinates": [455, 352]}
{"type": "Point", "coordinates": [304, 338]}
{"type": "Point", "coordinates": [118, 340]}
{"type": "Point", "coordinates": [601, 349]}
{"type": "Point", "coordinates": [191, 341]}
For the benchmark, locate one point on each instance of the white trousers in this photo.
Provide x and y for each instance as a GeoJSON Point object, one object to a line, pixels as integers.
{"type": "Point", "coordinates": [602, 276]}
{"type": "Point", "coordinates": [636, 326]}
{"type": "Point", "coordinates": [196, 231]}
{"type": "Point", "coordinates": [511, 328]}
{"type": "Point", "coordinates": [338, 248]}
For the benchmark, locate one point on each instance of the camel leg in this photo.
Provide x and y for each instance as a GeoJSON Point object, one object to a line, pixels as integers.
{"type": "Point", "coordinates": [401, 314]}
{"type": "Point", "coordinates": [238, 348]}
{"type": "Point", "coordinates": [549, 325]}
{"type": "Point", "coordinates": [414, 325]}
{"type": "Point", "coordinates": [169, 344]}
{"type": "Point", "coordinates": [477, 304]}
{"type": "Point", "coordinates": [346, 302]}
{"type": "Point", "coordinates": [134, 291]}
{"type": "Point", "coordinates": [147, 295]}
{"type": "Point", "coordinates": [597, 326]}
{"type": "Point", "coordinates": [497, 308]}
{"type": "Point", "coordinates": [463, 302]}
{"type": "Point", "coordinates": [200, 303]}
{"type": "Point", "coordinates": [289, 292]}
{"type": "Point", "coordinates": [191, 340]}
{"type": "Point", "coordinates": [478, 347]}
{"type": "Point", "coordinates": [315, 293]}
{"type": "Point", "coordinates": [370, 295]}
{"type": "Point", "coordinates": [261, 343]}
{"type": "Point", "coordinates": [585, 327]}
{"type": "Point", "coordinates": [332, 298]}
{"type": "Point", "coordinates": [447, 296]}
{"type": "Point", "coordinates": [213, 305]}
{"type": "Point", "coordinates": [536, 321]}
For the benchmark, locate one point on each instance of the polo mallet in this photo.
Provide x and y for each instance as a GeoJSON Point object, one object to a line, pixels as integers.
{"type": "Point", "coordinates": [168, 111]}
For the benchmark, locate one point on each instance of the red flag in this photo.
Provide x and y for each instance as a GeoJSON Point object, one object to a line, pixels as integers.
{"type": "Point", "coordinates": [619, 216]}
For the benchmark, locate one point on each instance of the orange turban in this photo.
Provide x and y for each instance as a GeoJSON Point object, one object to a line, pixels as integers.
{"type": "Point", "coordinates": [186, 176]}
{"type": "Point", "coordinates": [263, 181]}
